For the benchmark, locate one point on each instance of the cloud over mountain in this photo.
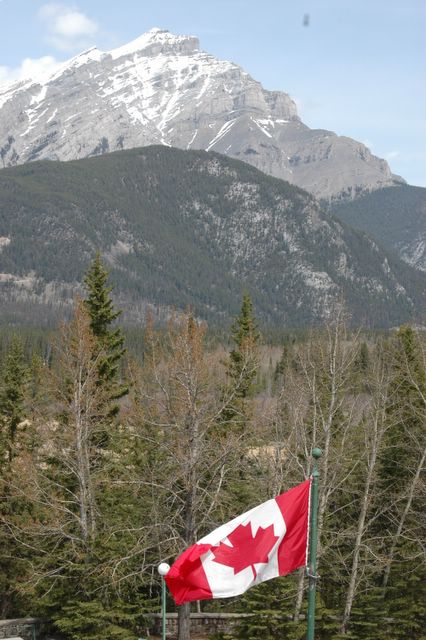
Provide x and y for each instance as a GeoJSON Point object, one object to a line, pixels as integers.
{"type": "Point", "coordinates": [68, 28]}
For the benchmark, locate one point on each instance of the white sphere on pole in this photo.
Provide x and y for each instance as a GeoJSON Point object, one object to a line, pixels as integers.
{"type": "Point", "coordinates": [163, 569]}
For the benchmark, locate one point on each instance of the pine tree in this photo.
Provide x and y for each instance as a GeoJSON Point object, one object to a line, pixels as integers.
{"type": "Point", "coordinates": [283, 364]}
{"type": "Point", "coordinates": [269, 607]}
{"type": "Point", "coordinates": [406, 418]}
{"type": "Point", "coordinates": [81, 531]}
{"type": "Point", "coordinates": [12, 508]}
{"type": "Point", "coordinates": [111, 340]}
{"type": "Point", "coordinates": [362, 360]}
{"type": "Point", "coordinates": [402, 466]}
{"type": "Point", "coordinates": [12, 410]}
{"type": "Point", "coordinates": [243, 361]}
{"type": "Point", "coordinates": [92, 620]}
{"type": "Point", "coordinates": [243, 364]}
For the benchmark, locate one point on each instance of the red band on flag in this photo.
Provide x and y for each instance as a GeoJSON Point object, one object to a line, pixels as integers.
{"type": "Point", "coordinates": [186, 578]}
{"type": "Point", "coordinates": [294, 505]}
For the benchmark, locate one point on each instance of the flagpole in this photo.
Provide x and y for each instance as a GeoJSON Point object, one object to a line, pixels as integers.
{"type": "Point", "coordinates": [163, 570]}
{"type": "Point", "coordinates": [313, 538]}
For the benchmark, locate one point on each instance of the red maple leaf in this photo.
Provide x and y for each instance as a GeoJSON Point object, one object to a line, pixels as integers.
{"type": "Point", "coordinates": [246, 550]}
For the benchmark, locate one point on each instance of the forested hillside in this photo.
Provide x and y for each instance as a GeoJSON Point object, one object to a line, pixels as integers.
{"type": "Point", "coordinates": [181, 228]}
{"type": "Point", "coordinates": [395, 217]}
{"type": "Point", "coordinates": [111, 464]}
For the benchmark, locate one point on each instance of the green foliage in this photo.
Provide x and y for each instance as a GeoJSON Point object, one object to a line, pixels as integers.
{"type": "Point", "coordinates": [363, 358]}
{"type": "Point", "coordinates": [369, 617]}
{"type": "Point", "coordinates": [14, 442]}
{"type": "Point", "coordinates": [84, 521]}
{"type": "Point", "coordinates": [394, 216]}
{"type": "Point", "coordinates": [270, 609]}
{"type": "Point", "coordinates": [104, 584]}
{"type": "Point", "coordinates": [243, 365]}
{"type": "Point", "coordinates": [12, 392]}
{"type": "Point", "coordinates": [405, 410]}
{"type": "Point", "coordinates": [172, 242]}
{"type": "Point", "coordinates": [98, 301]}
{"type": "Point", "coordinates": [284, 363]}
{"type": "Point", "coordinates": [91, 620]}
{"type": "Point", "coordinates": [111, 340]}
{"type": "Point", "coordinates": [405, 601]}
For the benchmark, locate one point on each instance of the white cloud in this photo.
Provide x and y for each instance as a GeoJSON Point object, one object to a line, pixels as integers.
{"type": "Point", "coordinates": [391, 155]}
{"type": "Point", "coordinates": [33, 68]}
{"type": "Point", "coordinates": [68, 28]}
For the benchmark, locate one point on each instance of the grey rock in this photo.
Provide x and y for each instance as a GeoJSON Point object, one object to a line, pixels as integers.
{"type": "Point", "coordinates": [163, 89]}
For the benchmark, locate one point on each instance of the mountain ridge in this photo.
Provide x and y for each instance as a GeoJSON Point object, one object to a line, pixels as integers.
{"type": "Point", "coordinates": [395, 217]}
{"type": "Point", "coordinates": [163, 89]}
{"type": "Point", "coordinates": [179, 228]}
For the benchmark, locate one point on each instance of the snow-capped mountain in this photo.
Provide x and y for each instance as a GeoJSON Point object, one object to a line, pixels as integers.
{"type": "Point", "coordinates": [163, 89]}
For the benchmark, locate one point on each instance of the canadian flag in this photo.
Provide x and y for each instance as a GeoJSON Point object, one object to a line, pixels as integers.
{"type": "Point", "coordinates": [268, 541]}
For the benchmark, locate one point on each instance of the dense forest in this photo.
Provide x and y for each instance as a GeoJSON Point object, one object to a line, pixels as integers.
{"type": "Point", "coordinates": [395, 217]}
{"type": "Point", "coordinates": [117, 455]}
{"type": "Point", "coordinates": [180, 228]}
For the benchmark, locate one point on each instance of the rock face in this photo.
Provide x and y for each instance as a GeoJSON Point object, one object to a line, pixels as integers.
{"type": "Point", "coordinates": [162, 89]}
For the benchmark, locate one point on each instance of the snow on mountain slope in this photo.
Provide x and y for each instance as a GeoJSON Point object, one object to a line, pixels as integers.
{"type": "Point", "coordinates": [163, 89]}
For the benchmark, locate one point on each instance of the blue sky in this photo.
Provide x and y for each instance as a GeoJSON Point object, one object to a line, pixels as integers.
{"type": "Point", "coordinates": [358, 68]}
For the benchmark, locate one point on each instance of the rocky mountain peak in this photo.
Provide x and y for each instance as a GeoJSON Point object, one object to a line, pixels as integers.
{"type": "Point", "coordinates": [157, 41]}
{"type": "Point", "coordinates": [161, 88]}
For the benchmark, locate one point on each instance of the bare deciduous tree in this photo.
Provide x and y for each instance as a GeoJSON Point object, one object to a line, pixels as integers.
{"type": "Point", "coordinates": [181, 406]}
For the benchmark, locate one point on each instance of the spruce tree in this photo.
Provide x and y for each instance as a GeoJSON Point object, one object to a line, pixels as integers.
{"type": "Point", "coordinates": [12, 508]}
{"type": "Point", "coordinates": [243, 364]}
{"type": "Point", "coordinates": [405, 410]}
{"type": "Point", "coordinates": [83, 542]}
{"type": "Point", "coordinates": [401, 468]}
{"type": "Point", "coordinates": [241, 367]}
{"type": "Point", "coordinates": [269, 607]}
{"type": "Point", "coordinates": [111, 340]}
{"type": "Point", "coordinates": [12, 410]}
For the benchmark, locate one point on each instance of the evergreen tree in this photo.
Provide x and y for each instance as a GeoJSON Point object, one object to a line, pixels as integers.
{"type": "Point", "coordinates": [283, 364]}
{"type": "Point", "coordinates": [92, 620]}
{"type": "Point", "coordinates": [82, 541]}
{"type": "Point", "coordinates": [243, 364]}
{"type": "Point", "coordinates": [243, 360]}
{"type": "Point", "coordinates": [12, 410]}
{"type": "Point", "coordinates": [12, 508]}
{"type": "Point", "coordinates": [402, 466]}
{"type": "Point", "coordinates": [405, 409]}
{"type": "Point", "coordinates": [270, 609]}
{"type": "Point", "coordinates": [362, 360]}
{"type": "Point", "coordinates": [111, 340]}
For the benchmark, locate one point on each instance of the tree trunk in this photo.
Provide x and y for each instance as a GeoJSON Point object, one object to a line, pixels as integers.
{"type": "Point", "coordinates": [184, 621]}
{"type": "Point", "coordinates": [184, 631]}
{"type": "Point", "coordinates": [299, 596]}
{"type": "Point", "coordinates": [401, 522]}
{"type": "Point", "coordinates": [86, 498]}
{"type": "Point", "coordinates": [361, 527]}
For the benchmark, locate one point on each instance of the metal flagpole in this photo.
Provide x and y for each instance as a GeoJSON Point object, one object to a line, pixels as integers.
{"type": "Point", "coordinates": [163, 570]}
{"type": "Point", "coordinates": [313, 539]}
